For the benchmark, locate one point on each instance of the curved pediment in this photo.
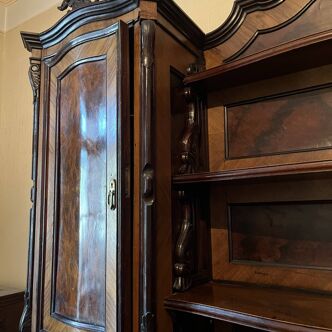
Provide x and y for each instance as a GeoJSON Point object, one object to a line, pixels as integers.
{"type": "Point", "coordinates": [81, 12]}
{"type": "Point", "coordinates": [240, 10]}
{"type": "Point", "coordinates": [255, 26]}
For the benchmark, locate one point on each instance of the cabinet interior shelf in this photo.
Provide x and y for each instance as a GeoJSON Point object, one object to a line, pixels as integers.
{"type": "Point", "coordinates": [305, 53]}
{"type": "Point", "coordinates": [257, 307]}
{"type": "Point", "coordinates": [307, 169]}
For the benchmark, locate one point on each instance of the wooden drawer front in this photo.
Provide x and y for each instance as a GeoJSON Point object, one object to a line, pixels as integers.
{"type": "Point", "coordinates": [11, 308]}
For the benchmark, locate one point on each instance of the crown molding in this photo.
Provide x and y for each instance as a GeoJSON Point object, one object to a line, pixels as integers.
{"type": "Point", "coordinates": [2, 19]}
{"type": "Point", "coordinates": [76, 18]}
{"type": "Point", "coordinates": [6, 3]}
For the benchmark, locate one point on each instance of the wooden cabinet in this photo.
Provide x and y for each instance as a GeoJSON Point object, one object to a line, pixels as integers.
{"type": "Point", "coordinates": [95, 80]}
{"type": "Point", "coordinates": [11, 306]}
{"type": "Point", "coordinates": [182, 181]}
{"type": "Point", "coordinates": [255, 218]}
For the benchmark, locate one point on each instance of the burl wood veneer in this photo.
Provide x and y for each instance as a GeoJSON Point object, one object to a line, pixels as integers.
{"type": "Point", "coordinates": [81, 221]}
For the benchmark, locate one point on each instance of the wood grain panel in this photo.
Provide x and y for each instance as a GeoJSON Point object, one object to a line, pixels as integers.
{"type": "Point", "coordinates": [281, 132]}
{"type": "Point", "coordinates": [81, 215]}
{"type": "Point", "coordinates": [301, 121]}
{"type": "Point", "coordinates": [314, 20]}
{"type": "Point", "coordinates": [254, 22]}
{"type": "Point", "coordinates": [294, 234]}
{"type": "Point", "coordinates": [94, 149]}
{"type": "Point", "coordinates": [271, 192]}
{"type": "Point", "coordinates": [88, 28]}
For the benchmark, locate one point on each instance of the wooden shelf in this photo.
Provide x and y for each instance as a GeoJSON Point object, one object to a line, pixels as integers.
{"type": "Point", "coordinates": [301, 54]}
{"type": "Point", "coordinates": [304, 169]}
{"type": "Point", "coordinates": [257, 307]}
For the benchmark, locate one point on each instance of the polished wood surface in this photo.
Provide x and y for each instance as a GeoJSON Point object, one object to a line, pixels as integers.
{"type": "Point", "coordinates": [147, 174]}
{"type": "Point", "coordinates": [253, 24]}
{"type": "Point", "coordinates": [269, 171]}
{"type": "Point", "coordinates": [166, 46]}
{"type": "Point", "coordinates": [275, 132]}
{"type": "Point", "coordinates": [81, 194]}
{"type": "Point", "coordinates": [288, 58]}
{"type": "Point", "coordinates": [295, 198]}
{"type": "Point", "coordinates": [300, 121]}
{"type": "Point", "coordinates": [314, 20]}
{"type": "Point", "coordinates": [281, 234]}
{"type": "Point", "coordinates": [263, 308]}
{"type": "Point", "coordinates": [11, 307]}
{"type": "Point", "coordinates": [89, 129]}
{"type": "Point", "coordinates": [299, 171]}
{"type": "Point", "coordinates": [257, 201]}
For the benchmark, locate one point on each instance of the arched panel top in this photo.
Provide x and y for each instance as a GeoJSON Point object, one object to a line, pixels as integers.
{"type": "Point", "coordinates": [255, 26]}
{"type": "Point", "coordinates": [240, 10]}
{"type": "Point", "coordinates": [80, 15]}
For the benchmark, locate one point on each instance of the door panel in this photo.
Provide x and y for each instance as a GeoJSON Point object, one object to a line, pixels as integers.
{"type": "Point", "coordinates": [83, 202]}
{"type": "Point", "coordinates": [81, 195]}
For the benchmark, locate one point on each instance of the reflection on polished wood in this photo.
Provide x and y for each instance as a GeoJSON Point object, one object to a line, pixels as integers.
{"type": "Point", "coordinates": [80, 275]}
{"type": "Point", "coordinates": [283, 234]}
{"type": "Point", "coordinates": [263, 308]}
{"type": "Point", "coordinates": [294, 123]}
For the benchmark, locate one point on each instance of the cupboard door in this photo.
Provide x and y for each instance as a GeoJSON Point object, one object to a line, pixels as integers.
{"type": "Point", "coordinates": [86, 206]}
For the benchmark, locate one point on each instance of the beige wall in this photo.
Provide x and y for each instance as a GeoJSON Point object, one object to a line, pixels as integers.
{"type": "Point", "coordinates": [16, 128]}
{"type": "Point", "coordinates": [15, 150]}
{"type": "Point", "coordinates": [207, 14]}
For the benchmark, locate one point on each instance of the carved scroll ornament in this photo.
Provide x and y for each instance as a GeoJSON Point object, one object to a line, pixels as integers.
{"type": "Point", "coordinates": [34, 76]}
{"type": "Point", "coordinates": [74, 4]}
{"type": "Point", "coordinates": [189, 143]}
{"type": "Point", "coordinates": [183, 266]}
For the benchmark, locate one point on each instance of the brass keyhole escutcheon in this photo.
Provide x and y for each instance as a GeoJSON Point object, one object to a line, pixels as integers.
{"type": "Point", "coordinates": [112, 195]}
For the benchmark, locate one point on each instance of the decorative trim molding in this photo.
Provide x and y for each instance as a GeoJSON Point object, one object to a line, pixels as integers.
{"type": "Point", "coordinates": [90, 36]}
{"type": "Point", "coordinates": [34, 77]}
{"type": "Point", "coordinates": [239, 12]}
{"type": "Point", "coordinates": [183, 267]}
{"type": "Point", "coordinates": [7, 2]}
{"type": "Point", "coordinates": [147, 172]}
{"type": "Point", "coordinates": [190, 139]}
{"type": "Point", "coordinates": [31, 41]}
{"type": "Point", "coordinates": [75, 4]}
{"type": "Point", "coordinates": [268, 30]}
{"type": "Point", "coordinates": [101, 10]}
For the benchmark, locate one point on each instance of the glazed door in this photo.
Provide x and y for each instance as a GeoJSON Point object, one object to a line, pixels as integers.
{"type": "Point", "coordinates": [86, 199]}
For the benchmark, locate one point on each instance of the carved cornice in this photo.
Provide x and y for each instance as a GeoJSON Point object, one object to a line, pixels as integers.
{"type": "Point", "coordinates": [74, 4]}
{"type": "Point", "coordinates": [241, 9]}
{"type": "Point", "coordinates": [31, 41]}
{"type": "Point", "coordinates": [96, 11]}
